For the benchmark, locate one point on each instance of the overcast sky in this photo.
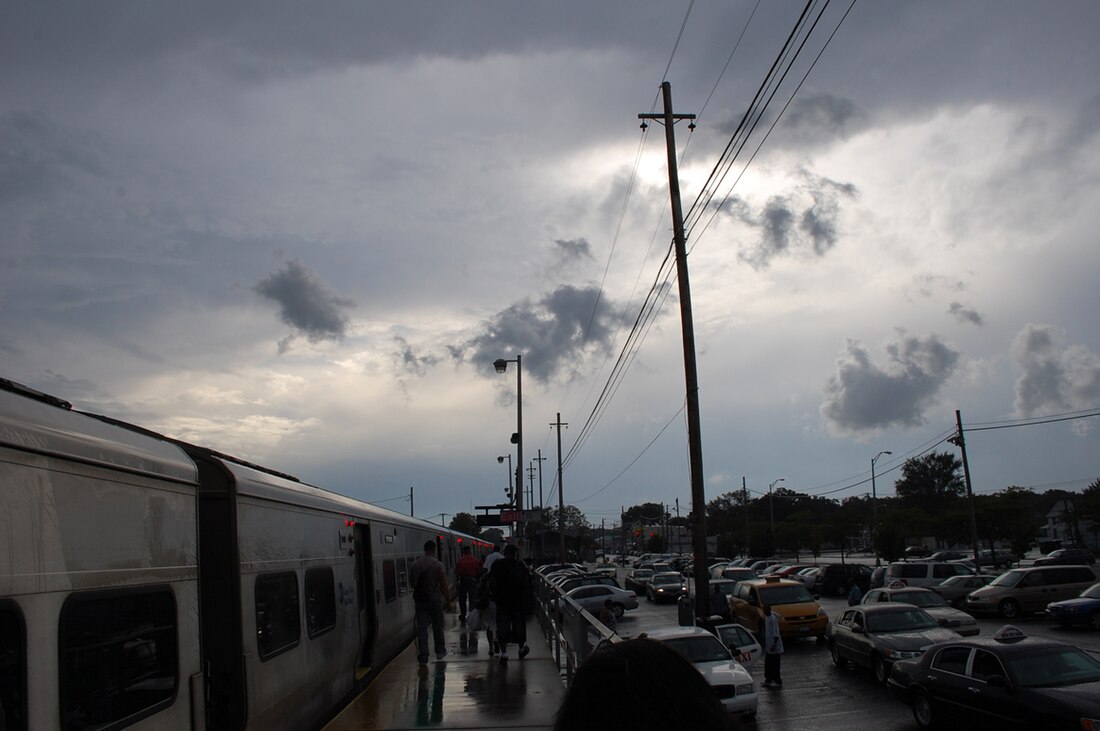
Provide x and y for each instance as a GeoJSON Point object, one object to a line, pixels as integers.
{"type": "Point", "coordinates": [301, 233]}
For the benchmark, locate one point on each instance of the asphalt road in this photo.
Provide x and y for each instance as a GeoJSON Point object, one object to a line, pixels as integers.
{"type": "Point", "coordinates": [816, 694]}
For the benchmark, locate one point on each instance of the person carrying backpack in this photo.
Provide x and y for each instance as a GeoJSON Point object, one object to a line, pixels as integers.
{"type": "Point", "coordinates": [511, 587]}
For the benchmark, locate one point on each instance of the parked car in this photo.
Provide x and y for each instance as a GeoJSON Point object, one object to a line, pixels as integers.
{"type": "Point", "coordinates": [955, 588]}
{"type": "Point", "coordinates": [949, 556]}
{"type": "Point", "coordinates": [878, 577]}
{"type": "Point", "coordinates": [666, 586]}
{"type": "Point", "coordinates": [740, 641]}
{"type": "Point", "coordinates": [1009, 680]}
{"type": "Point", "coordinates": [732, 683]}
{"type": "Point", "coordinates": [593, 596]}
{"type": "Point", "coordinates": [1029, 590]}
{"type": "Point", "coordinates": [736, 573]}
{"type": "Point", "coordinates": [574, 581]}
{"type": "Point", "coordinates": [930, 602]}
{"type": "Point", "coordinates": [1083, 609]}
{"type": "Point", "coordinates": [998, 558]}
{"type": "Point", "coordinates": [917, 552]}
{"type": "Point", "coordinates": [799, 613]}
{"type": "Point", "coordinates": [1067, 556]}
{"type": "Point", "coordinates": [924, 573]}
{"type": "Point", "coordinates": [835, 579]}
{"type": "Point", "coordinates": [637, 579]}
{"type": "Point", "coordinates": [877, 635]}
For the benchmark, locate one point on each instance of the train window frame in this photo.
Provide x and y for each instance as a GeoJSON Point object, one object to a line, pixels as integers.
{"type": "Point", "coordinates": [276, 586]}
{"type": "Point", "coordinates": [320, 585]}
{"type": "Point", "coordinates": [403, 576]}
{"type": "Point", "coordinates": [79, 616]}
{"type": "Point", "coordinates": [13, 637]}
{"type": "Point", "coordinates": [389, 580]}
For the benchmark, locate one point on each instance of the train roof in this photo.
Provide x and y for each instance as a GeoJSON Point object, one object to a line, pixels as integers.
{"type": "Point", "coordinates": [32, 421]}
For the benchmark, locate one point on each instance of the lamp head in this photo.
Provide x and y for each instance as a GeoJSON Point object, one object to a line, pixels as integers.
{"type": "Point", "coordinates": [500, 460]}
{"type": "Point", "coordinates": [500, 364]}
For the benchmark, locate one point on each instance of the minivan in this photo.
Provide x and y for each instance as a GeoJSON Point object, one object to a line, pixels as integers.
{"type": "Point", "coordinates": [1030, 590]}
{"type": "Point", "coordinates": [924, 573]}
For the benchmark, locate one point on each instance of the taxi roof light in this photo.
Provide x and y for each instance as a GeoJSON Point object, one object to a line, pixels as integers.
{"type": "Point", "coordinates": [1008, 633]}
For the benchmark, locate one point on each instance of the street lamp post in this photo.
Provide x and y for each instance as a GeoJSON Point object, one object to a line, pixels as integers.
{"type": "Point", "coordinates": [500, 460]}
{"type": "Point", "coordinates": [501, 365]}
{"type": "Point", "coordinates": [874, 506]}
{"type": "Point", "coordinates": [771, 509]}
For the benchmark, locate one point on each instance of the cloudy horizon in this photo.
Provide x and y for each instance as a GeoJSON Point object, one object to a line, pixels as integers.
{"type": "Point", "coordinates": [303, 237]}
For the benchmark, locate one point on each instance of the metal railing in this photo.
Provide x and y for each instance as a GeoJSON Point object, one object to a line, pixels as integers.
{"type": "Point", "coordinates": [570, 631]}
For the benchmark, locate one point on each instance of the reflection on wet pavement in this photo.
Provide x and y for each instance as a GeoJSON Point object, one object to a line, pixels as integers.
{"type": "Point", "coordinates": [467, 689]}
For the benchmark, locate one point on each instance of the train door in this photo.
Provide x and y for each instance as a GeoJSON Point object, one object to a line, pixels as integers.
{"type": "Point", "coordinates": [364, 582]}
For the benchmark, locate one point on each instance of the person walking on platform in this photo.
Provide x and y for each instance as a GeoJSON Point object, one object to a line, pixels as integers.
{"type": "Point", "coordinates": [430, 591]}
{"type": "Point", "coordinates": [492, 558]}
{"type": "Point", "coordinates": [466, 569]}
{"type": "Point", "coordinates": [511, 589]}
{"type": "Point", "coordinates": [773, 649]}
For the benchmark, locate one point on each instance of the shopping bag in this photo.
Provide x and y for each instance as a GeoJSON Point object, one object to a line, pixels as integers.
{"type": "Point", "coordinates": [473, 620]}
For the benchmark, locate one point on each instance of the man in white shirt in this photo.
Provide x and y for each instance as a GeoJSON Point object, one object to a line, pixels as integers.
{"type": "Point", "coordinates": [773, 649]}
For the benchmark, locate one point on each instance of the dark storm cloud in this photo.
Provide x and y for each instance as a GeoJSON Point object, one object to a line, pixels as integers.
{"type": "Point", "coordinates": [407, 361]}
{"type": "Point", "coordinates": [1054, 377]}
{"type": "Point", "coordinates": [863, 396]}
{"type": "Point", "coordinates": [551, 334]}
{"type": "Point", "coordinates": [786, 231]}
{"type": "Point", "coordinates": [965, 314]}
{"type": "Point", "coordinates": [306, 304]}
{"type": "Point", "coordinates": [569, 250]}
{"type": "Point", "coordinates": [820, 118]}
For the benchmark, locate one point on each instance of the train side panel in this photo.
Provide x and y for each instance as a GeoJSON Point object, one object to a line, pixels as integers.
{"type": "Point", "coordinates": [98, 576]}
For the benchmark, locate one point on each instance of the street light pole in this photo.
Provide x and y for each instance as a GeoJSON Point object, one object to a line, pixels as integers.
{"type": "Point", "coordinates": [500, 460]}
{"type": "Point", "coordinates": [501, 365]}
{"type": "Point", "coordinates": [771, 509]}
{"type": "Point", "coordinates": [874, 507]}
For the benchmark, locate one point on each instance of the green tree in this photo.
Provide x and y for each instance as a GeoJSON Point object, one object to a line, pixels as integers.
{"type": "Point", "coordinates": [931, 479]}
{"type": "Point", "coordinates": [465, 523]}
{"type": "Point", "coordinates": [575, 520]}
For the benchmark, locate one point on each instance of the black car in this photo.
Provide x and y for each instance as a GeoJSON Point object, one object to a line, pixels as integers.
{"type": "Point", "coordinates": [877, 635]}
{"type": "Point", "coordinates": [666, 586]}
{"type": "Point", "coordinates": [1067, 557]}
{"type": "Point", "coordinates": [1008, 680]}
{"type": "Point", "coordinates": [835, 579]}
{"type": "Point", "coordinates": [949, 556]}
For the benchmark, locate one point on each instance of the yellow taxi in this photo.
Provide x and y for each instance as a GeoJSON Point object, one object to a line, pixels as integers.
{"type": "Point", "coordinates": [800, 614]}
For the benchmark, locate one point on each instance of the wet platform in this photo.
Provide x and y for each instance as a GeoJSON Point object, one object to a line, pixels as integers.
{"type": "Point", "coordinates": [465, 690]}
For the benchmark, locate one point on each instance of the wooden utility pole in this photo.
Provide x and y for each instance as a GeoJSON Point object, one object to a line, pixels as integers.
{"type": "Point", "coordinates": [959, 441]}
{"type": "Point", "coordinates": [691, 376]}
{"type": "Point", "coordinates": [561, 500]}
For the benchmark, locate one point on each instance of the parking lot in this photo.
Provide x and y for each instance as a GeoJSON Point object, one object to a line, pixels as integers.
{"type": "Point", "coordinates": [816, 694]}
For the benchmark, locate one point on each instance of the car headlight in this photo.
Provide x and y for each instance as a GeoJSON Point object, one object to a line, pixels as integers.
{"type": "Point", "coordinates": [821, 612]}
{"type": "Point", "coordinates": [901, 654]}
{"type": "Point", "coordinates": [747, 688]}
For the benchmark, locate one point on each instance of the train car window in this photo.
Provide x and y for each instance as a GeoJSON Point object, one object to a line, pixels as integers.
{"type": "Point", "coordinates": [117, 657]}
{"type": "Point", "coordinates": [13, 668]}
{"type": "Point", "coordinates": [320, 601]}
{"type": "Point", "coordinates": [403, 576]}
{"type": "Point", "coordinates": [278, 626]}
{"type": "Point", "coordinates": [389, 579]}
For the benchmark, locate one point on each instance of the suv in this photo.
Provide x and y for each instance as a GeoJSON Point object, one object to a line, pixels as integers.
{"type": "Point", "coordinates": [800, 615]}
{"type": "Point", "coordinates": [924, 573]}
{"type": "Point", "coordinates": [835, 578]}
{"type": "Point", "coordinates": [1030, 590]}
{"type": "Point", "coordinates": [1067, 557]}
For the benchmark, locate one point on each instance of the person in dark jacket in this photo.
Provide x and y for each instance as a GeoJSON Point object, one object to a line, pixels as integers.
{"type": "Point", "coordinates": [511, 587]}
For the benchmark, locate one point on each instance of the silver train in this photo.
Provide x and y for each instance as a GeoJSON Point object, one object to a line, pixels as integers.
{"type": "Point", "coordinates": [147, 583]}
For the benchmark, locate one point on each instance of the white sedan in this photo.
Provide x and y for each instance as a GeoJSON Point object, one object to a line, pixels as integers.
{"type": "Point", "coordinates": [726, 676]}
{"type": "Point", "coordinates": [593, 596]}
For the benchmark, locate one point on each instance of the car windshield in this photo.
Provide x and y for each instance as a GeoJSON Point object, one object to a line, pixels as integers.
{"type": "Point", "coordinates": [1093, 592]}
{"type": "Point", "coordinates": [953, 580]}
{"type": "Point", "coordinates": [905, 620]}
{"type": "Point", "coordinates": [663, 579]}
{"type": "Point", "coordinates": [724, 587]}
{"type": "Point", "coordinates": [1008, 578]}
{"type": "Point", "coordinates": [1052, 667]}
{"type": "Point", "coordinates": [700, 649]}
{"type": "Point", "coordinates": [643, 573]}
{"type": "Point", "coordinates": [919, 598]}
{"type": "Point", "coordinates": [776, 595]}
